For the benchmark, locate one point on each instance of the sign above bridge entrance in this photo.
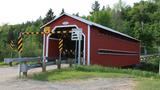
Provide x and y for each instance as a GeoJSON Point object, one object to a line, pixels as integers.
{"type": "Point", "coordinates": [76, 34]}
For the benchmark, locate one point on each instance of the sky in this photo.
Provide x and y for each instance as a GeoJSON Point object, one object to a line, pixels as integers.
{"type": "Point", "coordinates": [18, 11]}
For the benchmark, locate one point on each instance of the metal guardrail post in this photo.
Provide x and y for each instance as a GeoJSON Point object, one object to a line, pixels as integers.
{"type": "Point", "coordinates": [44, 64]}
{"type": "Point", "coordinates": [58, 62]}
{"type": "Point", "coordinates": [70, 62]}
{"type": "Point", "coordinates": [23, 68]}
{"type": "Point", "coordinates": [159, 67]}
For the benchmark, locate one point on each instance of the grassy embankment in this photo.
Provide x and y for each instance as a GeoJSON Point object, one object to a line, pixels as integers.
{"type": "Point", "coordinates": [144, 80]}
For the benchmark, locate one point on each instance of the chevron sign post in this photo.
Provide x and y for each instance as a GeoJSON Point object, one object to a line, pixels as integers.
{"type": "Point", "coordinates": [60, 53]}
{"type": "Point", "coordinates": [76, 35]}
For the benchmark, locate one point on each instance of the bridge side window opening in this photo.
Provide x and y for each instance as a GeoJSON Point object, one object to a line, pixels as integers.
{"type": "Point", "coordinates": [115, 52]}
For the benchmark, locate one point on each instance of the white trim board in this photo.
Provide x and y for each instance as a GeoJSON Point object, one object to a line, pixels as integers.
{"type": "Point", "coordinates": [44, 46]}
{"type": "Point", "coordinates": [89, 38]}
{"type": "Point", "coordinates": [84, 50]}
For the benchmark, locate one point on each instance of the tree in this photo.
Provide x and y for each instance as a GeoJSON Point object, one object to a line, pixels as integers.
{"type": "Point", "coordinates": [102, 16]}
{"type": "Point", "coordinates": [77, 14]}
{"type": "Point", "coordinates": [49, 16]}
{"type": "Point", "coordinates": [62, 12]}
{"type": "Point", "coordinates": [117, 21]}
{"type": "Point", "coordinates": [119, 6]}
{"type": "Point", "coordinates": [95, 7]}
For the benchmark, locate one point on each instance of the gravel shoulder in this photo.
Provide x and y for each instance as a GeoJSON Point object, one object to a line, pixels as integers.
{"type": "Point", "coordinates": [9, 81]}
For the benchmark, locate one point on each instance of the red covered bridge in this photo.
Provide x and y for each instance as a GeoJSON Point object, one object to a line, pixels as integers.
{"type": "Point", "coordinates": [100, 45]}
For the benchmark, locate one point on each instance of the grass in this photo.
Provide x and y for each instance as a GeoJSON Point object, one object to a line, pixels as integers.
{"type": "Point", "coordinates": [131, 72]}
{"type": "Point", "coordinates": [5, 64]}
{"type": "Point", "coordinates": [144, 80]}
{"type": "Point", "coordinates": [65, 75]}
{"type": "Point", "coordinates": [147, 84]}
{"type": "Point", "coordinates": [2, 64]}
{"type": "Point", "coordinates": [92, 71]}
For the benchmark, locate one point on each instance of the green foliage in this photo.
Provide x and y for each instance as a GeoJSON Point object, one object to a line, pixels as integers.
{"type": "Point", "coordinates": [2, 64]}
{"type": "Point", "coordinates": [31, 46]}
{"type": "Point", "coordinates": [49, 16]}
{"type": "Point", "coordinates": [102, 17]}
{"type": "Point", "coordinates": [135, 73]}
{"type": "Point", "coordinates": [142, 21]}
{"type": "Point", "coordinates": [143, 18]}
{"type": "Point", "coordinates": [150, 64]}
{"type": "Point", "coordinates": [95, 7]}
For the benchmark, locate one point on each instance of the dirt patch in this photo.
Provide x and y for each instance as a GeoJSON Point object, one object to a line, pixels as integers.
{"type": "Point", "coordinates": [9, 81]}
{"type": "Point", "coordinates": [89, 84]}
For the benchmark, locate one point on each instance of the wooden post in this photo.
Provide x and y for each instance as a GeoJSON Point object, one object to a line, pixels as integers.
{"type": "Point", "coordinates": [159, 67]}
{"type": "Point", "coordinates": [25, 73]}
{"type": "Point", "coordinates": [19, 65]}
{"type": "Point", "coordinates": [44, 65]}
{"type": "Point", "coordinates": [60, 53]}
{"type": "Point", "coordinates": [70, 62]}
{"type": "Point", "coordinates": [59, 61]}
{"type": "Point", "coordinates": [10, 64]}
{"type": "Point", "coordinates": [20, 50]}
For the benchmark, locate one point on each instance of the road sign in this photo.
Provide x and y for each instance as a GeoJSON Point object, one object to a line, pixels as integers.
{"type": "Point", "coordinates": [47, 30]}
{"type": "Point", "coordinates": [76, 34]}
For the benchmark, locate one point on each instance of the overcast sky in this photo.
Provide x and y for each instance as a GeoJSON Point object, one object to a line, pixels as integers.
{"type": "Point", "coordinates": [18, 11]}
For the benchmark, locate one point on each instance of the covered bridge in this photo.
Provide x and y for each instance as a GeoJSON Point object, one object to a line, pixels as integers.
{"type": "Point", "coordinates": [100, 45]}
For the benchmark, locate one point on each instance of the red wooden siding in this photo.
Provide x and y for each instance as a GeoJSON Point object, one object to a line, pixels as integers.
{"type": "Point", "coordinates": [53, 48]}
{"type": "Point", "coordinates": [109, 41]}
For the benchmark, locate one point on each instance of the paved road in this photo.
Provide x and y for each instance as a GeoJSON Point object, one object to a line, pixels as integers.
{"type": "Point", "coordinates": [9, 81]}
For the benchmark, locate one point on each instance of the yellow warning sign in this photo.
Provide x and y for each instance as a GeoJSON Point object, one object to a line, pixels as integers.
{"type": "Point", "coordinates": [60, 45]}
{"type": "Point", "coordinates": [47, 30]}
{"type": "Point", "coordinates": [20, 45]}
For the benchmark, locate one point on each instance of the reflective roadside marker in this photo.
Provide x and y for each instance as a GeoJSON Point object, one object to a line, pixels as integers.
{"type": "Point", "coordinates": [11, 44]}
{"type": "Point", "coordinates": [60, 45]}
{"type": "Point", "coordinates": [20, 45]}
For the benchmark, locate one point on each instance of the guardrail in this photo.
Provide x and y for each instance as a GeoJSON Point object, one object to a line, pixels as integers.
{"type": "Point", "coordinates": [145, 58]}
{"type": "Point", "coordinates": [9, 60]}
{"type": "Point", "coordinates": [149, 56]}
{"type": "Point", "coordinates": [24, 67]}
